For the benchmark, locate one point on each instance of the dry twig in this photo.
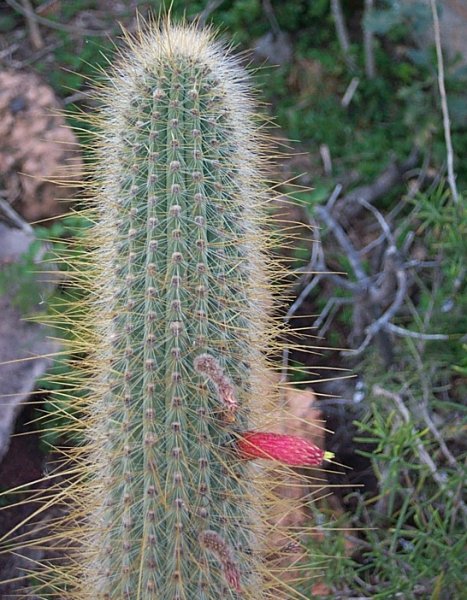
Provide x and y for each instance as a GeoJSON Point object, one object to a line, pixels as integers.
{"type": "Point", "coordinates": [444, 104]}
{"type": "Point", "coordinates": [33, 16]}
{"type": "Point", "coordinates": [350, 91]}
{"type": "Point", "coordinates": [33, 27]}
{"type": "Point", "coordinates": [344, 242]}
{"type": "Point", "coordinates": [368, 41]}
{"type": "Point", "coordinates": [271, 16]}
{"type": "Point", "coordinates": [210, 7]}
{"type": "Point", "coordinates": [342, 34]}
{"type": "Point", "coordinates": [348, 207]}
{"type": "Point", "coordinates": [325, 154]}
{"type": "Point", "coordinates": [416, 335]}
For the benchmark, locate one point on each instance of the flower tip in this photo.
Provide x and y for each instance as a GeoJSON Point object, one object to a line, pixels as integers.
{"type": "Point", "coordinates": [328, 455]}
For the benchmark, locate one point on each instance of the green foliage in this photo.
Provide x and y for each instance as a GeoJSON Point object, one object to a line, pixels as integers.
{"type": "Point", "coordinates": [410, 538]}
{"type": "Point", "coordinates": [7, 22]}
{"type": "Point", "coordinates": [398, 19]}
{"type": "Point", "coordinates": [19, 279]}
{"type": "Point", "coordinates": [63, 242]}
{"type": "Point", "coordinates": [422, 516]}
{"type": "Point", "coordinates": [77, 64]}
{"type": "Point", "coordinates": [462, 366]}
{"type": "Point", "coordinates": [70, 9]}
{"type": "Point", "coordinates": [443, 227]}
{"type": "Point", "coordinates": [362, 136]}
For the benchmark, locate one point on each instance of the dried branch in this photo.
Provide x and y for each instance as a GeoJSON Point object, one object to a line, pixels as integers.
{"type": "Point", "coordinates": [210, 7]}
{"type": "Point", "coordinates": [423, 411]}
{"type": "Point", "coordinates": [439, 438]}
{"type": "Point", "coordinates": [33, 16]}
{"type": "Point", "coordinates": [368, 41]}
{"type": "Point", "coordinates": [416, 335]}
{"type": "Point", "coordinates": [325, 154]}
{"type": "Point", "coordinates": [396, 304]}
{"type": "Point", "coordinates": [344, 242]}
{"type": "Point", "coordinates": [326, 317]}
{"type": "Point", "coordinates": [271, 16]}
{"type": "Point", "coordinates": [350, 91]}
{"type": "Point", "coordinates": [9, 50]}
{"type": "Point", "coordinates": [342, 34]}
{"type": "Point", "coordinates": [444, 104]}
{"type": "Point", "coordinates": [348, 208]}
{"type": "Point", "coordinates": [333, 197]}
{"type": "Point", "coordinates": [363, 293]}
{"type": "Point", "coordinates": [401, 331]}
{"type": "Point", "coordinates": [33, 28]}
{"type": "Point", "coordinates": [381, 220]}
{"type": "Point", "coordinates": [369, 292]}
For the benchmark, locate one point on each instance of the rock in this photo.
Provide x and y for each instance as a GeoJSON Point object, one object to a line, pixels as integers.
{"type": "Point", "coordinates": [23, 345]}
{"type": "Point", "coordinates": [39, 156]}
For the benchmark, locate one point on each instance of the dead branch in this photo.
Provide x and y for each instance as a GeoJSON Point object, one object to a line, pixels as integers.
{"type": "Point", "coordinates": [210, 7]}
{"type": "Point", "coordinates": [444, 104]}
{"type": "Point", "coordinates": [423, 411]}
{"type": "Point", "coordinates": [369, 293]}
{"type": "Point", "coordinates": [350, 91]}
{"type": "Point", "coordinates": [344, 242]}
{"type": "Point", "coordinates": [271, 17]}
{"type": "Point", "coordinates": [381, 220]}
{"type": "Point", "coordinates": [366, 303]}
{"type": "Point", "coordinates": [349, 208]}
{"type": "Point", "coordinates": [33, 27]}
{"type": "Point", "coordinates": [325, 154]}
{"type": "Point", "coordinates": [395, 306]}
{"type": "Point", "coordinates": [416, 335]}
{"type": "Point", "coordinates": [342, 34]}
{"type": "Point", "coordinates": [368, 41]}
{"type": "Point", "coordinates": [33, 16]}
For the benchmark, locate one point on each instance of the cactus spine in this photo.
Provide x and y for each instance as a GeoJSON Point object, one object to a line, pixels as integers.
{"type": "Point", "coordinates": [180, 318]}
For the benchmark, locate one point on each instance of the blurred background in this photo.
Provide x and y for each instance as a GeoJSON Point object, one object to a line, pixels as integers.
{"type": "Point", "coordinates": [368, 98]}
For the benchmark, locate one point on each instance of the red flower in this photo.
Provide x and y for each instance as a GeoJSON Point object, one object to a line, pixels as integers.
{"type": "Point", "coordinates": [288, 449]}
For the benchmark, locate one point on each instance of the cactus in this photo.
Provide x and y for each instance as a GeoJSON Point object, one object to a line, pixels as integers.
{"type": "Point", "coordinates": [178, 202]}
{"type": "Point", "coordinates": [170, 503]}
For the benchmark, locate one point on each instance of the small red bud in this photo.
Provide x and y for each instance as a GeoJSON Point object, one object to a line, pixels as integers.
{"type": "Point", "coordinates": [288, 449]}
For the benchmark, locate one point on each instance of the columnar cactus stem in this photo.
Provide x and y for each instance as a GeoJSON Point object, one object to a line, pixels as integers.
{"type": "Point", "coordinates": [181, 273]}
{"type": "Point", "coordinates": [170, 505]}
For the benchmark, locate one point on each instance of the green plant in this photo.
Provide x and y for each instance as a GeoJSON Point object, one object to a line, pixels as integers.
{"type": "Point", "coordinates": [420, 506]}
{"type": "Point", "coordinates": [164, 501]}
{"type": "Point", "coordinates": [19, 280]}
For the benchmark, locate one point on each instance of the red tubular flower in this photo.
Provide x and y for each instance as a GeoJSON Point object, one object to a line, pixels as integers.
{"type": "Point", "coordinates": [288, 449]}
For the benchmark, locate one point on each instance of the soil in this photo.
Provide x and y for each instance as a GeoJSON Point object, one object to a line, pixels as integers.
{"type": "Point", "coordinates": [23, 463]}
